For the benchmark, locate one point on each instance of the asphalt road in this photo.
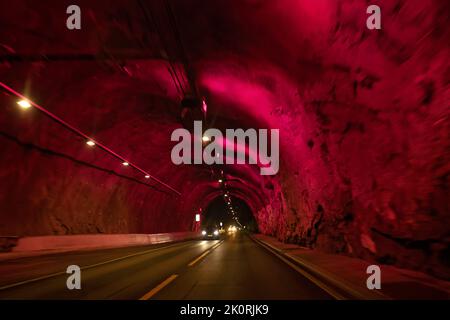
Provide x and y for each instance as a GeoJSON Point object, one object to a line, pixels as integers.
{"type": "Point", "coordinates": [235, 268]}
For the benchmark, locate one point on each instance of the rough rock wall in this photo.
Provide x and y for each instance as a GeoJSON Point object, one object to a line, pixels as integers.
{"type": "Point", "coordinates": [368, 174]}
{"type": "Point", "coordinates": [53, 183]}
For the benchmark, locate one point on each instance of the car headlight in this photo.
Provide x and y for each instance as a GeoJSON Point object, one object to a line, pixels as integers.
{"type": "Point", "coordinates": [216, 232]}
{"type": "Point", "coordinates": [203, 232]}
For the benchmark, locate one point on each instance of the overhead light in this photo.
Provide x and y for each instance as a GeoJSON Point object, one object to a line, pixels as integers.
{"type": "Point", "coordinates": [24, 104]}
{"type": "Point", "coordinates": [225, 195]}
{"type": "Point", "coordinates": [147, 176]}
{"type": "Point", "coordinates": [205, 139]}
{"type": "Point", "coordinates": [90, 143]}
{"type": "Point", "coordinates": [220, 180]}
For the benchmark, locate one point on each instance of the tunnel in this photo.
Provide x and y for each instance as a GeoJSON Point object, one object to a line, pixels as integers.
{"type": "Point", "coordinates": [362, 116]}
{"type": "Point", "coordinates": [217, 214]}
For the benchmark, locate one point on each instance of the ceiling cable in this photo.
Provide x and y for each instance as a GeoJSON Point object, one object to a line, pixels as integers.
{"type": "Point", "coordinates": [89, 141]}
{"type": "Point", "coordinates": [150, 18]}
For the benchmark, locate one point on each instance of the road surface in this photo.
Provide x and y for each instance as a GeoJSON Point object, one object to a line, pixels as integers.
{"type": "Point", "coordinates": [234, 268]}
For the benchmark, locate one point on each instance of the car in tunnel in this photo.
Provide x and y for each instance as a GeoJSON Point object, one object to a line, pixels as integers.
{"type": "Point", "coordinates": [211, 233]}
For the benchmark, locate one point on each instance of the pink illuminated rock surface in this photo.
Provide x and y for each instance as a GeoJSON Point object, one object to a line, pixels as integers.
{"type": "Point", "coordinates": [363, 118]}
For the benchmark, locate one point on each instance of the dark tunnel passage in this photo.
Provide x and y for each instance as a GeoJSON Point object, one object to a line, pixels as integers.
{"type": "Point", "coordinates": [235, 212]}
{"type": "Point", "coordinates": [363, 120]}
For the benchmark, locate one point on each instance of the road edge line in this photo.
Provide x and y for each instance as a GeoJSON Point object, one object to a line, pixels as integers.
{"type": "Point", "coordinates": [45, 277]}
{"type": "Point", "coordinates": [319, 278]}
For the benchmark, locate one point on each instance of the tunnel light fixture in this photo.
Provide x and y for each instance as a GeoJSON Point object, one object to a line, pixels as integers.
{"type": "Point", "coordinates": [147, 176]}
{"type": "Point", "coordinates": [220, 180]}
{"type": "Point", "coordinates": [90, 143]}
{"type": "Point", "coordinates": [24, 104]}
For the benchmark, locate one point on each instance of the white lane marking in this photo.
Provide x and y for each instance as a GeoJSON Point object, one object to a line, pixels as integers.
{"type": "Point", "coordinates": [87, 267]}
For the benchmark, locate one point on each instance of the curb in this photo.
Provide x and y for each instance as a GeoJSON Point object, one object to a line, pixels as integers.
{"type": "Point", "coordinates": [339, 288]}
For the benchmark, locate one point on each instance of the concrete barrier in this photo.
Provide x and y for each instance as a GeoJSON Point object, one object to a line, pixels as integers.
{"type": "Point", "coordinates": [96, 241]}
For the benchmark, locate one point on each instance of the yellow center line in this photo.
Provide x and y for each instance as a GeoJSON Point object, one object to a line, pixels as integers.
{"type": "Point", "coordinates": [198, 259]}
{"type": "Point", "coordinates": [158, 288]}
{"type": "Point", "coordinates": [216, 245]}
{"type": "Point", "coordinates": [204, 254]}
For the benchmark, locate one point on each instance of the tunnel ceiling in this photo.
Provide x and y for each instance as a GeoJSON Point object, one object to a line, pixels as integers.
{"type": "Point", "coordinates": [363, 119]}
